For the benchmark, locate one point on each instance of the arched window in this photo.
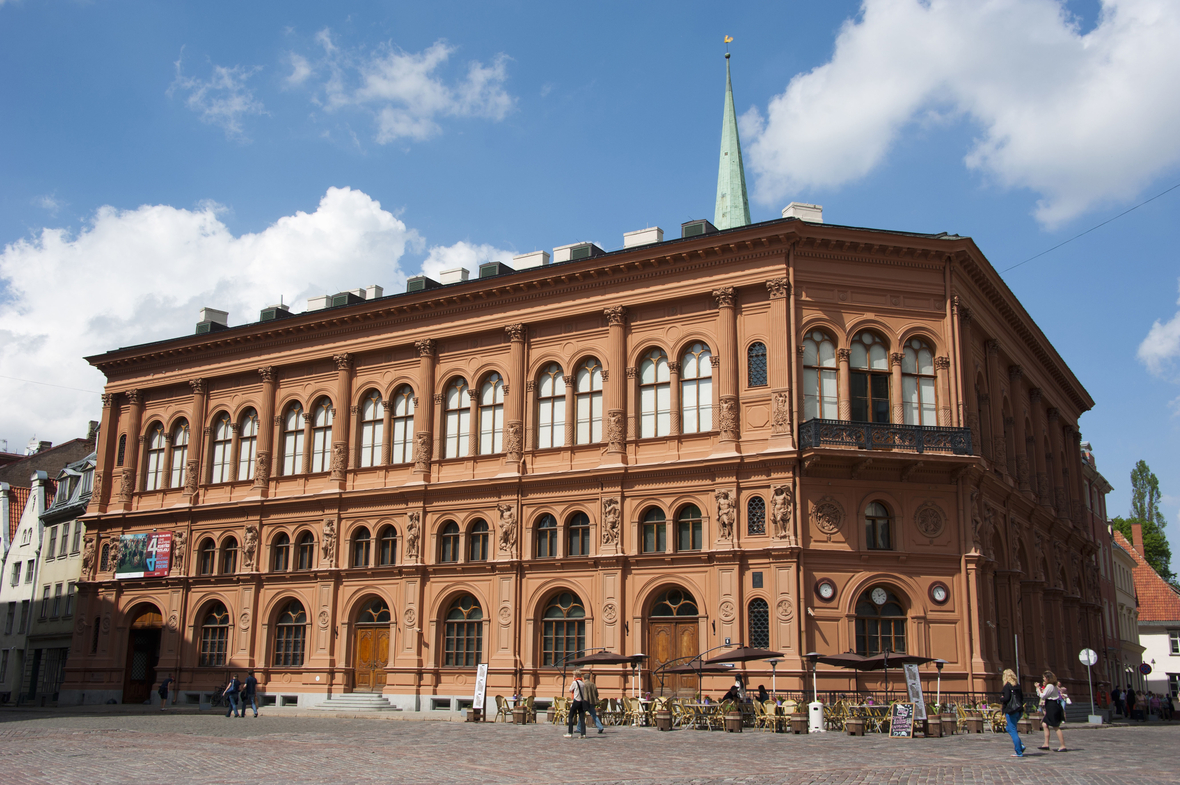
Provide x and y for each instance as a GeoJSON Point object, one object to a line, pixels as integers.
{"type": "Point", "coordinates": [655, 534]}
{"type": "Point", "coordinates": [375, 611]}
{"type": "Point", "coordinates": [305, 557]}
{"type": "Point", "coordinates": [229, 556]}
{"type": "Point", "coordinates": [457, 427]}
{"type": "Point", "coordinates": [247, 445]}
{"type": "Point", "coordinates": [588, 402]}
{"type": "Point", "coordinates": [463, 634]}
{"type": "Point", "coordinates": [756, 365]}
{"type": "Point", "coordinates": [206, 557]}
{"type": "Point", "coordinates": [154, 469]}
{"type": "Point", "coordinates": [321, 436]}
{"type": "Point", "coordinates": [290, 633]}
{"type": "Point", "coordinates": [122, 449]}
{"type": "Point", "coordinates": [696, 389]}
{"type": "Point", "coordinates": [688, 528]}
{"type": "Point", "coordinates": [388, 546]}
{"type": "Point", "coordinates": [551, 407]}
{"type": "Point", "coordinates": [402, 424]}
{"type": "Point", "coordinates": [758, 623]}
{"type": "Point", "coordinates": [878, 534]}
{"type": "Point", "coordinates": [917, 384]}
{"type": "Point", "coordinates": [675, 602]}
{"type": "Point", "coordinates": [546, 537]}
{"type": "Point", "coordinates": [281, 553]}
{"type": "Point", "coordinates": [361, 545]}
{"type": "Point", "coordinates": [449, 550]}
{"type": "Point", "coordinates": [563, 629]}
{"type": "Point", "coordinates": [372, 429]}
{"type": "Point", "coordinates": [179, 454]}
{"type": "Point", "coordinates": [214, 636]}
{"type": "Point", "coordinates": [869, 378]}
{"type": "Point", "coordinates": [293, 440]}
{"type": "Point", "coordinates": [104, 559]}
{"type": "Point", "coordinates": [820, 399]}
{"type": "Point", "coordinates": [579, 535]}
{"type": "Point", "coordinates": [479, 541]}
{"type": "Point", "coordinates": [756, 515]}
{"type": "Point", "coordinates": [491, 415]}
{"type": "Point", "coordinates": [880, 622]}
{"type": "Point", "coordinates": [655, 397]}
{"type": "Point", "coordinates": [223, 439]}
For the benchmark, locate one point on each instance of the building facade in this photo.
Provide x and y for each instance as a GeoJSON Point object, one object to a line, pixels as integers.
{"type": "Point", "coordinates": [1124, 667]}
{"type": "Point", "coordinates": [18, 588]}
{"type": "Point", "coordinates": [1158, 620]}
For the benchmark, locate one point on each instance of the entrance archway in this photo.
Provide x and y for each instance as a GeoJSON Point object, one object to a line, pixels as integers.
{"type": "Point", "coordinates": [143, 653]}
{"type": "Point", "coordinates": [673, 634]}
{"type": "Point", "coordinates": [371, 646]}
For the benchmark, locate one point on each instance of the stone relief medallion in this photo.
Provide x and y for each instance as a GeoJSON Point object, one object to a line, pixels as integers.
{"type": "Point", "coordinates": [929, 519]}
{"type": "Point", "coordinates": [827, 515]}
{"type": "Point", "coordinates": [410, 616]}
{"type": "Point", "coordinates": [286, 678]}
{"type": "Point", "coordinates": [173, 622]}
{"type": "Point", "coordinates": [244, 620]}
{"type": "Point", "coordinates": [460, 679]}
{"type": "Point", "coordinates": [80, 626]}
{"type": "Point", "coordinates": [610, 612]}
{"type": "Point", "coordinates": [505, 615]}
{"type": "Point", "coordinates": [785, 609]}
{"type": "Point", "coordinates": [727, 611]}
{"type": "Point", "coordinates": [106, 624]}
{"type": "Point", "coordinates": [324, 617]}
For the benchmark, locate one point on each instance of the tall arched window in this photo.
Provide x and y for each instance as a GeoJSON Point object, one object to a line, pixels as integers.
{"type": "Point", "coordinates": [869, 378]}
{"type": "Point", "coordinates": [154, 469]}
{"type": "Point", "coordinates": [305, 555]}
{"type": "Point", "coordinates": [104, 559]}
{"type": "Point", "coordinates": [206, 557]}
{"type": "Point", "coordinates": [223, 439]}
{"type": "Point", "coordinates": [361, 546]}
{"type": "Point", "coordinates": [179, 454]}
{"type": "Point", "coordinates": [290, 633]}
{"type": "Point", "coordinates": [491, 415]}
{"type": "Point", "coordinates": [372, 429]}
{"type": "Point", "coordinates": [546, 537]}
{"type": "Point", "coordinates": [696, 389]}
{"type": "Point", "coordinates": [214, 636]}
{"type": "Point", "coordinates": [688, 528]}
{"type": "Point", "coordinates": [388, 546]}
{"type": "Point", "coordinates": [756, 365]}
{"type": "Point", "coordinates": [820, 399]}
{"type": "Point", "coordinates": [293, 440]}
{"type": "Point", "coordinates": [247, 445]}
{"type": "Point", "coordinates": [563, 629]}
{"type": "Point", "coordinates": [321, 436]}
{"type": "Point", "coordinates": [588, 402]}
{"type": "Point", "coordinates": [457, 425]}
{"type": "Point", "coordinates": [449, 542]}
{"type": "Point", "coordinates": [756, 515]}
{"type": "Point", "coordinates": [758, 623]}
{"type": "Point", "coordinates": [402, 424]}
{"type": "Point", "coordinates": [281, 553]}
{"type": "Point", "coordinates": [229, 556]}
{"type": "Point", "coordinates": [675, 602]}
{"type": "Point", "coordinates": [122, 451]}
{"type": "Point", "coordinates": [880, 622]}
{"type": "Point", "coordinates": [551, 407]}
{"type": "Point", "coordinates": [479, 541]}
{"type": "Point", "coordinates": [655, 396]}
{"type": "Point", "coordinates": [463, 634]}
{"type": "Point", "coordinates": [579, 535]}
{"type": "Point", "coordinates": [917, 384]}
{"type": "Point", "coordinates": [878, 534]}
{"type": "Point", "coordinates": [655, 533]}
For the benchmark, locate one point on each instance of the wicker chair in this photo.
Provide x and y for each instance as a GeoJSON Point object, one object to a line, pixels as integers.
{"type": "Point", "coordinates": [503, 710]}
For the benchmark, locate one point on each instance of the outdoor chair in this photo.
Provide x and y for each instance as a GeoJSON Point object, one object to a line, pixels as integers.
{"type": "Point", "coordinates": [503, 710]}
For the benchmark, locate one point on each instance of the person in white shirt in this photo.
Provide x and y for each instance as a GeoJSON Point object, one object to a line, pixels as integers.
{"type": "Point", "coordinates": [1053, 707]}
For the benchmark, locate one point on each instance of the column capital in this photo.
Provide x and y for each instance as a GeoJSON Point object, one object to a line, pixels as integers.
{"type": "Point", "coordinates": [632, 372]}
{"type": "Point", "coordinates": [961, 308]}
{"type": "Point", "coordinates": [843, 355]}
{"type": "Point", "coordinates": [1034, 395]}
{"type": "Point", "coordinates": [724, 296]}
{"type": "Point", "coordinates": [942, 363]}
{"type": "Point", "coordinates": [896, 358]}
{"type": "Point", "coordinates": [1054, 415]}
{"type": "Point", "coordinates": [1015, 373]}
{"type": "Point", "coordinates": [515, 332]}
{"type": "Point", "coordinates": [615, 315]}
{"type": "Point", "coordinates": [343, 361]}
{"type": "Point", "coordinates": [197, 386]}
{"type": "Point", "coordinates": [268, 374]}
{"type": "Point", "coordinates": [426, 347]}
{"type": "Point", "coordinates": [134, 397]}
{"type": "Point", "coordinates": [107, 400]}
{"type": "Point", "coordinates": [778, 288]}
{"type": "Point", "coordinates": [992, 346]}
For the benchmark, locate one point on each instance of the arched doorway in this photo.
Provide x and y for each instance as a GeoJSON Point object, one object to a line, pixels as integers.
{"type": "Point", "coordinates": [371, 646]}
{"type": "Point", "coordinates": [673, 634]}
{"type": "Point", "coordinates": [143, 653]}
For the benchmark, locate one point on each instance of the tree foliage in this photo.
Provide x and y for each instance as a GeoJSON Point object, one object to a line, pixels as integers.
{"type": "Point", "coordinates": [1145, 510]}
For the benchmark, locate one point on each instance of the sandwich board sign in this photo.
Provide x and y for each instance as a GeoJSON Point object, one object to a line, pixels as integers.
{"type": "Point", "coordinates": [901, 721]}
{"type": "Point", "coordinates": [913, 685]}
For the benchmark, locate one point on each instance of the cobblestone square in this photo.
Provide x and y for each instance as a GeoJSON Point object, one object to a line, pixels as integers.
{"type": "Point", "coordinates": [184, 748]}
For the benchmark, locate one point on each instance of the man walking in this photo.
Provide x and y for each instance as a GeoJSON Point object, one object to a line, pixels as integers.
{"type": "Point", "coordinates": [591, 690]}
{"type": "Point", "coordinates": [249, 689]}
{"type": "Point", "coordinates": [231, 696]}
{"type": "Point", "coordinates": [163, 691]}
{"type": "Point", "coordinates": [1116, 695]}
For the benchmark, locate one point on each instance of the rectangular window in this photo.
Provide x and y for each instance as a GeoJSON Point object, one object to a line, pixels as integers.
{"type": "Point", "coordinates": [458, 429]}
{"type": "Point", "coordinates": [56, 601]}
{"type": "Point", "coordinates": [655, 537]}
{"type": "Point", "coordinates": [76, 545]}
{"type": "Point", "coordinates": [870, 397]}
{"type": "Point", "coordinates": [52, 549]}
{"type": "Point", "coordinates": [24, 616]}
{"type": "Point", "coordinates": [1173, 684]}
{"type": "Point", "coordinates": [16, 573]}
{"type": "Point", "coordinates": [70, 591]}
{"type": "Point", "coordinates": [689, 535]}
{"type": "Point", "coordinates": [3, 665]}
{"type": "Point", "coordinates": [29, 571]}
{"type": "Point", "coordinates": [45, 602]}
{"type": "Point", "coordinates": [9, 618]}
{"type": "Point", "coordinates": [1174, 641]}
{"type": "Point", "coordinates": [65, 540]}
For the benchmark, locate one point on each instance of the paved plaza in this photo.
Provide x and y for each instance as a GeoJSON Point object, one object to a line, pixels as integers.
{"type": "Point", "coordinates": [182, 748]}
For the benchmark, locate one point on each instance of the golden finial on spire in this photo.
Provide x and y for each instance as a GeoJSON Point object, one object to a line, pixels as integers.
{"type": "Point", "coordinates": [728, 41]}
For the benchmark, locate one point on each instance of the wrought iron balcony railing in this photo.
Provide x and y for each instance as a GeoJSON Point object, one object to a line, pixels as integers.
{"type": "Point", "coordinates": [884, 436]}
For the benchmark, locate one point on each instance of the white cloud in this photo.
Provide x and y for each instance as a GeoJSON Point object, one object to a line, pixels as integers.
{"type": "Point", "coordinates": [133, 276]}
{"type": "Point", "coordinates": [462, 254]}
{"type": "Point", "coordinates": [223, 99]}
{"type": "Point", "coordinates": [50, 203]}
{"type": "Point", "coordinates": [301, 70]}
{"type": "Point", "coordinates": [1161, 347]}
{"type": "Point", "coordinates": [405, 91]}
{"type": "Point", "coordinates": [1078, 119]}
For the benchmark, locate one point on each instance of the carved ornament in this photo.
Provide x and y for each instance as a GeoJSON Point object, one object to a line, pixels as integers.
{"type": "Point", "coordinates": [778, 287]}
{"type": "Point", "coordinates": [827, 515]}
{"type": "Point", "coordinates": [929, 520]}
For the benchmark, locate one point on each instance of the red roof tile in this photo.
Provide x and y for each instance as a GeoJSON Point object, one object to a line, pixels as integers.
{"type": "Point", "coordinates": [17, 499]}
{"type": "Point", "coordinates": [1158, 601]}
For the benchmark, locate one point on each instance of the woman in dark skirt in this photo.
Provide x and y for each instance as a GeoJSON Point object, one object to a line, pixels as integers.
{"type": "Point", "coordinates": [1054, 709]}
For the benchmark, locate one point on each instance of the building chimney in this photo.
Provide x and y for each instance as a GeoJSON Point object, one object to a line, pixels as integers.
{"type": "Point", "coordinates": [92, 430]}
{"type": "Point", "coordinates": [1137, 538]}
{"type": "Point", "coordinates": [804, 212]}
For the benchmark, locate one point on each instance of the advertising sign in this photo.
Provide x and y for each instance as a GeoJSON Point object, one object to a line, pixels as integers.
{"type": "Point", "coordinates": [481, 686]}
{"type": "Point", "coordinates": [913, 685]}
{"type": "Point", "coordinates": [144, 555]}
{"type": "Point", "coordinates": [901, 721]}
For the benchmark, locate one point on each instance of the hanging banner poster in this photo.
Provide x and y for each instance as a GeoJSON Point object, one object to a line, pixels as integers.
{"type": "Point", "coordinates": [913, 685]}
{"type": "Point", "coordinates": [144, 555]}
{"type": "Point", "coordinates": [481, 686]}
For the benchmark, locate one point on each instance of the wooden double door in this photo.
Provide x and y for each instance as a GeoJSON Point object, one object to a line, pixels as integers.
{"type": "Point", "coordinates": [372, 655]}
{"type": "Point", "coordinates": [667, 641]}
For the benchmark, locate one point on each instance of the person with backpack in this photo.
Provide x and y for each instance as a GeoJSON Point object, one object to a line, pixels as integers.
{"type": "Point", "coordinates": [591, 690]}
{"type": "Point", "coordinates": [1012, 704]}
{"type": "Point", "coordinates": [577, 706]}
{"type": "Point", "coordinates": [231, 695]}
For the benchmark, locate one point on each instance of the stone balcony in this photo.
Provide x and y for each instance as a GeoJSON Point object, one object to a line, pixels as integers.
{"type": "Point", "coordinates": [884, 437]}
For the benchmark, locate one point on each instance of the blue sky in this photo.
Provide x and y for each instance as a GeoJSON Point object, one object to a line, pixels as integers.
{"type": "Point", "coordinates": [163, 156]}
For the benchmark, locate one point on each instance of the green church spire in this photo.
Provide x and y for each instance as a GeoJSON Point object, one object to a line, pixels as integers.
{"type": "Point", "coordinates": [733, 206]}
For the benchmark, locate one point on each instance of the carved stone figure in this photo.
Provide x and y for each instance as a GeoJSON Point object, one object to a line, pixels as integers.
{"type": "Point", "coordinates": [610, 521]}
{"type": "Point", "coordinates": [421, 451]}
{"type": "Point", "coordinates": [262, 469]}
{"type": "Point", "coordinates": [190, 476]}
{"type": "Point", "coordinates": [985, 533]}
{"type": "Point", "coordinates": [614, 429]}
{"type": "Point", "coordinates": [126, 484]}
{"type": "Point", "coordinates": [729, 418]}
{"type": "Point", "coordinates": [178, 543]}
{"type": "Point", "coordinates": [250, 546]}
{"type": "Point", "coordinates": [88, 558]}
{"type": "Point", "coordinates": [413, 534]}
{"type": "Point", "coordinates": [328, 547]}
{"type": "Point", "coordinates": [115, 552]}
{"type": "Point", "coordinates": [339, 459]}
{"type": "Point", "coordinates": [1014, 548]}
{"type": "Point", "coordinates": [782, 500]}
{"type": "Point", "coordinates": [96, 495]}
{"type": "Point", "coordinates": [507, 527]}
{"type": "Point", "coordinates": [515, 440]}
{"type": "Point", "coordinates": [780, 417]}
{"type": "Point", "coordinates": [827, 515]}
{"type": "Point", "coordinates": [1039, 545]}
{"type": "Point", "coordinates": [726, 512]}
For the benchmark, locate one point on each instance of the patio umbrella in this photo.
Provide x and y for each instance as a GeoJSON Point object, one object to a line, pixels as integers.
{"type": "Point", "coordinates": [883, 660]}
{"type": "Point", "coordinates": [605, 658]}
{"type": "Point", "coordinates": [846, 659]}
{"type": "Point", "coordinates": [706, 668]}
{"type": "Point", "coordinates": [745, 654]}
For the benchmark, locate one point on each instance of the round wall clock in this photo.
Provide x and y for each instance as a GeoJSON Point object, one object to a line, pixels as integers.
{"type": "Point", "coordinates": [826, 590]}
{"type": "Point", "coordinates": [880, 596]}
{"type": "Point", "coordinates": [939, 593]}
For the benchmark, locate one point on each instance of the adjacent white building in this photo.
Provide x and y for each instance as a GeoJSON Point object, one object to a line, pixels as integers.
{"type": "Point", "coordinates": [18, 588]}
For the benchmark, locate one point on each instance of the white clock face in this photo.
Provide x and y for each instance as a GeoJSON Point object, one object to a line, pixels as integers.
{"type": "Point", "coordinates": [879, 596]}
{"type": "Point", "coordinates": [826, 590]}
{"type": "Point", "coordinates": [939, 594]}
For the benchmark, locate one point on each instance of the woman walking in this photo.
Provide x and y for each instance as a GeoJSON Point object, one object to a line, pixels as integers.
{"type": "Point", "coordinates": [1012, 701]}
{"type": "Point", "coordinates": [1052, 704]}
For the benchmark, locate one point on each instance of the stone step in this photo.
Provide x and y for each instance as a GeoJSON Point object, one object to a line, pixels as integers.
{"type": "Point", "coordinates": [357, 702]}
